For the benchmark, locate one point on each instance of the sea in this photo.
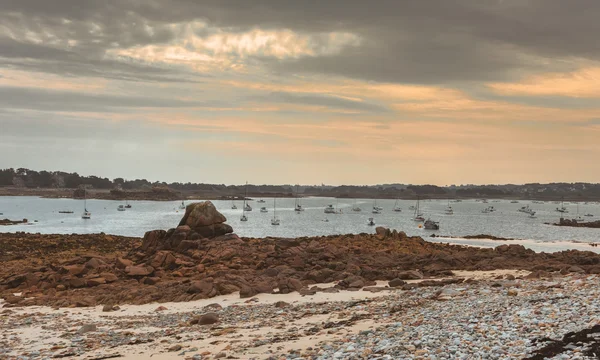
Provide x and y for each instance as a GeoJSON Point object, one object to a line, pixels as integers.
{"type": "Point", "coordinates": [468, 219]}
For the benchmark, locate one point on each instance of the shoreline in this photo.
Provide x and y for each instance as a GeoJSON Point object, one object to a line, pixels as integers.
{"type": "Point", "coordinates": [173, 195]}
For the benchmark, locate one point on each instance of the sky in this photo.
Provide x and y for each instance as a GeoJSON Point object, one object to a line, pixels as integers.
{"type": "Point", "coordinates": [275, 91]}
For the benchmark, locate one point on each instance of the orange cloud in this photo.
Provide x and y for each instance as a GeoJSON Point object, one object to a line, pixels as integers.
{"type": "Point", "coordinates": [581, 83]}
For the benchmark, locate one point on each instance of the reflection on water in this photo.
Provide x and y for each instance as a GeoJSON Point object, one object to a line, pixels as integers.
{"type": "Point", "coordinates": [468, 219]}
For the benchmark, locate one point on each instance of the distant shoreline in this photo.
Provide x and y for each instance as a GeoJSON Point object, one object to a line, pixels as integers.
{"type": "Point", "coordinates": [173, 195]}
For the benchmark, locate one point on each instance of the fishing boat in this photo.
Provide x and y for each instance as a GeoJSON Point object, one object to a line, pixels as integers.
{"type": "Point", "coordinates": [329, 209]}
{"type": "Point", "coordinates": [60, 212]}
{"type": "Point", "coordinates": [371, 222]}
{"type": "Point", "coordinates": [297, 206]}
{"type": "Point", "coordinates": [526, 209]}
{"type": "Point", "coordinates": [261, 201]}
{"type": "Point", "coordinates": [397, 208]}
{"type": "Point", "coordinates": [127, 204]}
{"type": "Point", "coordinates": [431, 225]}
{"type": "Point", "coordinates": [418, 216]}
{"type": "Point", "coordinates": [263, 210]}
{"type": "Point", "coordinates": [121, 208]}
{"type": "Point", "coordinates": [244, 209]}
{"type": "Point", "coordinates": [86, 214]}
{"type": "Point", "coordinates": [275, 219]}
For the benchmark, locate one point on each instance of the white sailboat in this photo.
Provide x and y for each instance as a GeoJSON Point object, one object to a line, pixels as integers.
{"type": "Point", "coordinates": [396, 207]}
{"type": "Point", "coordinates": [275, 220]}
{"type": "Point", "coordinates": [86, 214]}
{"type": "Point", "coordinates": [418, 214]}
{"type": "Point", "coordinates": [244, 217]}
{"type": "Point", "coordinates": [356, 208]}
{"type": "Point", "coordinates": [579, 219]}
{"type": "Point", "coordinates": [264, 209]}
{"type": "Point", "coordinates": [182, 206]}
{"type": "Point", "coordinates": [298, 207]}
{"type": "Point", "coordinates": [449, 210]}
{"type": "Point", "coordinates": [233, 206]}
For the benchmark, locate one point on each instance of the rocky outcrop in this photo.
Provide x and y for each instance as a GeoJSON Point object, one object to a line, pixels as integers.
{"type": "Point", "coordinates": [184, 264]}
{"type": "Point", "coordinates": [12, 222]}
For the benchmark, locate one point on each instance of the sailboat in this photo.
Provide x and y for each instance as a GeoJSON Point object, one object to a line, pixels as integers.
{"type": "Point", "coordinates": [121, 208]}
{"type": "Point", "coordinates": [449, 210]}
{"type": "Point", "coordinates": [127, 204]}
{"type": "Point", "coordinates": [376, 209]}
{"type": "Point", "coordinates": [579, 219]}
{"type": "Point", "coordinates": [233, 207]}
{"type": "Point", "coordinates": [182, 206]}
{"type": "Point", "coordinates": [371, 222]}
{"type": "Point", "coordinates": [244, 217]}
{"type": "Point", "coordinates": [355, 208]}
{"type": "Point", "coordinates": [275, 220]}
{"type": "Point", "coordinates": [86, 214]}
{"type": "Point", "coordinates": [396, 207]}
{"type": "Point", "coordinates": [562, 208]}
{"type": "Point", "coordinates": [298, 207]}
{"type": "Point", "coordinates": [418, 214]}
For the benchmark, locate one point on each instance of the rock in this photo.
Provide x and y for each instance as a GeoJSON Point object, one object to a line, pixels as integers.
{"type": "Point", "coordinates": [109, 277]}
{"type": "Point", "coordinates": [121, 263]}
{"type": "Point", "coordinates": [247, 292]}
{"type": "Point", "coordinates": [576, 269]}
{"type": "Point", "coordinates": [108, 308]}
{"type": "Point", "coordinates": [87, 328]}
{"type": "Point", "coordinates": [510, 277]}
{"type": "Point", "coordinates": [512, 292]}
{"type": "Point", "coordinates": [411, 275]}
{"type": "Point", "coordinates": [206, 319]}
{"type": "Point", "coordinates": [281, 304]}
{"type": "Point", "coordinates": [139, 270]}
{"type": "Point", "coordinates": [201, 214]}
{"type": "Point", "coordinates": [60, 287]}
{"type": "Point", "coordinates": [175, 348]}
{"type": "Point", "coordinates": [75, 270]}
{"type": "Point", "coordinates": [221, 355]}
{"type": "Point", "coordinates": [396, 283]}
{"type": "Point", "coordinates": [160, 308]}
{"type": "Point", "coordinates": [96, 281]}
{"type": "Point", "coordinates": [284, 244]}
{"type": "Point", "coordinates": [203, 287]}
{"type": "Point", "coordinates": [94, 263]}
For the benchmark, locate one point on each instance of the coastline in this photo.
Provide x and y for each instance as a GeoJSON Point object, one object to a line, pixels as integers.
{"type": "Point", "coordinates": [199, 291]}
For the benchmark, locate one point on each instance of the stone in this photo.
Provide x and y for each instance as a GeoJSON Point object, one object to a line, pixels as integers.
{"type": "Point", "coordinates": [203, 287]}
{"type": "Point", "coordinates": [94, 263]}
{"type": "Point", "coordinates": [206, 319]}
{"type": "Point", "coordinates": [96, 281]}
{"type": "Point", "coordinates": [396, 283]}
{"type": "Point", "coordinates": [121, 263]}
{"type": "Point", "coordinates": [201, 214]}
{"type": "Point", "coordinates": [108, 308]}
{"type": "Point", "coordinates": [411, 275]}
{"type": "Point", "coordinates": [139, 270]}
{"type": "Point", "coordinates": [87, 328]}
{"type": "Point", "coordinates": [160, 308]}
{"type": "Point", "coordinates": [175, 348]}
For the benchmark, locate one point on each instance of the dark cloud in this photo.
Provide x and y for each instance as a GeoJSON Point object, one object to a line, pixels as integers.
{"type": "Point", "coordinates": [425, 41]}
{"type": "Point", "coordinates": [319, 100]}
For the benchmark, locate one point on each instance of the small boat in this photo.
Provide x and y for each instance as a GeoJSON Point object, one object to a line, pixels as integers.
{"type": "Point", "coordinates": [397, 208]}
{"type": "Point", "coordinates": [418, 216]}
{"type": "Point", "coordinates": [376, 209]}
{"type": "Point", "coordinates": [263, 210]}
{"type": "Point", "coordinates": [329, 209]}
{"type": "Point", "coordinates": [526, 209]}
{"type": "Point", "coordinates": [412, 207]}
{"type": "Point", "coordinates": [297, 206]}
{"type": "Point", "coordinates": [275, 219]}
{"type": "Point", "coordinates": [562, 208]}
{"type": "Point", "coordinates": [247, 207]}
{"type": "Point", "coordinates": [127, 205]}
{"type": "Point", "coordinates": [589, 215]}
{"type": "Point", "coordinates": [371, 222]}
{"type": "Point", "coordinates": [431, 225]}
{"type": "Point", "coordinates": [488, 210]}
{"type": "Point", "coordinates": [121, 208]}
{"type": "Point", "coordinates": [514, 202]}
{"type": "Point", "coordinates": [60, 212]}
{"type": "Point", "coordinates": [261, 201]}
{"type": "Point", "coordinates": [233, 207]}
{"type": "Point", "coordinates": [86, 214]}
{"type": "Point", "coordinates": [532, 215]}
{"type": "Point", "coordinates": [244, 209]}
{"type": "Point", "coordinates": [449, 210]}
{"type": "Point", "coordinates": [356, 208]}
{"type": "Point", "coordinates": [326, 220]}
{"type": "Point", "coordinates": [182, 206]}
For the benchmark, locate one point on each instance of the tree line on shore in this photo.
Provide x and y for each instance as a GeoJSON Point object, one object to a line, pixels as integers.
{"type": "Point", "coordinates": [27, 178]}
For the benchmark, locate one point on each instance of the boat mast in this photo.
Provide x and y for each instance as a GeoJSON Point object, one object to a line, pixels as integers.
{"type": "Point", "coordinates": [274, 209]}
{"type": "Point", "coordinates": [245, 196]}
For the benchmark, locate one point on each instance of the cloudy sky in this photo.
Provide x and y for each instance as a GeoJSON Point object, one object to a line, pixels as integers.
{"type": "Point", "coordinates": [277, 91]}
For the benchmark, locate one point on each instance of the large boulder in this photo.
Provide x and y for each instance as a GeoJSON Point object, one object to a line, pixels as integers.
{"type": "Point", "coordinates": [201, 214]}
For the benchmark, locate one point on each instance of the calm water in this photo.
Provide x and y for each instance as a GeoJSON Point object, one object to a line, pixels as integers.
{"type": "Point", "coordinates": [467, 219]}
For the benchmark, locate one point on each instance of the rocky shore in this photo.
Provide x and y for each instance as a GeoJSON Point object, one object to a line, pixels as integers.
{"type": "Point", "coordinates": [4, 222]}
{"type": "Point", "coordinates": [574, 223]}
{"type": "Point", "coordinates": [401, 288]}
